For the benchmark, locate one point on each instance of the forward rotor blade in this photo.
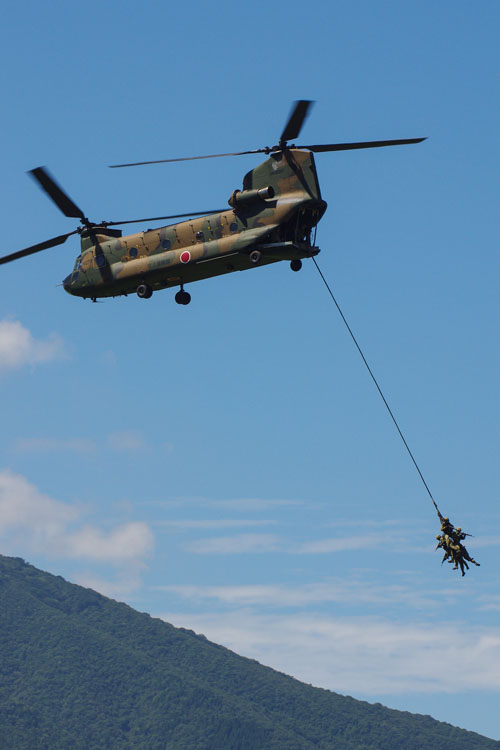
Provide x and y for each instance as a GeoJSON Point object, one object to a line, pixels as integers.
{"type": "Point", "coordinates": [296, 120]}
{"type": "Point", "coordinates": [54, 191]}
{"type": "Point", "coordinates": [37, 248]}
{"type": "Point", "coordinates": [173, 216]}
{"type": "Point", "coordinates": [362, 144]}
{"type": "Point", "coordinates": [189, 158]}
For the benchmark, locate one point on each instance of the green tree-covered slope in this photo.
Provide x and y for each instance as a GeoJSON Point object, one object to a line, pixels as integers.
{"type": "Point", "coordinates": [78, 670]}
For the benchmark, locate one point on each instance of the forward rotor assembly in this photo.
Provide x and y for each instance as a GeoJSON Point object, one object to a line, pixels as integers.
{"type": "Point", "coordinates": [291, 130]}
{"type": "Point", "coordinates": [70, 209]}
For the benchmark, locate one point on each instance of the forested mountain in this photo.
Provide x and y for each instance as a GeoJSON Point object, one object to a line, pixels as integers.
{"type": "Point", "coordinates": [78, 670]}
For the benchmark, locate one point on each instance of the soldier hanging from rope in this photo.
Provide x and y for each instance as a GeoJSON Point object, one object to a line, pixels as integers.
{"type": "Point", "coordinates": [441, 543]}
{"type": "Point", "coordinates": [459, 537]}
{"type": "Point", "coordinates": [450, 540]}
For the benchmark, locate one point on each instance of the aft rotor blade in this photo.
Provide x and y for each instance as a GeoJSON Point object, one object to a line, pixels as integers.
{"type": "Point", "coordinates": [37, 248]}
{"type": "Point", "coordinates": [190, 158]}
{"type": "Point", "coordinates": [296, 120]}
{"type": "Point", "coordinates": [362, 144]}
{"type": "Point", "coordinates": [160, 218]}
{"type": "Point", "coordinates": [54, 191]}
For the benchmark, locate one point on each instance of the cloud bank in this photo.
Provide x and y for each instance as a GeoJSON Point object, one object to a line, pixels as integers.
{"type": "Point", "coordinates": [18, 347]}
{"type": "Point", "coordinates": [349, 591]}
{"type": "Point", "coordinates": [359, 655]}
{"type": "Point", "coordinates": [235, 545]}
{"type": "Point", "coordinates": [33, 522]}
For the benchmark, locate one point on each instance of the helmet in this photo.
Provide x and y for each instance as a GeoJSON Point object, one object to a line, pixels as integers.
{"type": "Point", "coordinates": [446, 519]}
{"type": "Point", "coordinates": [459, 528]}
{"type": "Point", "coordinates": [438, 536]}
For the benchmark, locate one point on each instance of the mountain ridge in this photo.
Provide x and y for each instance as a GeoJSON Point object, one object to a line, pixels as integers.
{"type": "Point", "coordinates": [80, 670]}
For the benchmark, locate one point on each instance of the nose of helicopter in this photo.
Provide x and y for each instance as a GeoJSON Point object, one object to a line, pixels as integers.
{"type": "Point", "coordinates": [67, 284]}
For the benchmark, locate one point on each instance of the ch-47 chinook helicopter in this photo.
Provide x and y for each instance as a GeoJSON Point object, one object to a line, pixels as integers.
{"type": "Point", "coordinates": [269, 220]}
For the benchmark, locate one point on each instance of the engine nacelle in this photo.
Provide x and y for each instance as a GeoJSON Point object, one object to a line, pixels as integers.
{"type": "Point", "coordinates": [241, 198]}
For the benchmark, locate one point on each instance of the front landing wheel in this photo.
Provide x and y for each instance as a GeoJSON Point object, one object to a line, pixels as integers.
{"type": "Point", "coordinates": [183, 298]}
{"type": "Point", "coordinates": [296, 264]}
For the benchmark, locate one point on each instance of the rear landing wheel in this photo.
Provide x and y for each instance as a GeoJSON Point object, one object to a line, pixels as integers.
{"type": "Point", "coordinates": [183, 298]}
{"type": "Point", "coordinates": [296, 264]}
{"type": "Point", "coordinates": [144, 291]}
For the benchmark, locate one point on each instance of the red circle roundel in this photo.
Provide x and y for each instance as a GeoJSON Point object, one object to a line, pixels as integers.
{"type": "Point", "coordinates": [185, 256]}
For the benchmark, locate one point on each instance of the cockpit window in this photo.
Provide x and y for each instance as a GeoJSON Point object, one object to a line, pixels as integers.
{"type": "Point", "coordinates": [78, 263]}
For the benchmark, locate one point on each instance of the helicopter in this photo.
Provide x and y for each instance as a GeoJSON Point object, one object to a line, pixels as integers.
{"type": "Point", "coordinates": [270, 219]}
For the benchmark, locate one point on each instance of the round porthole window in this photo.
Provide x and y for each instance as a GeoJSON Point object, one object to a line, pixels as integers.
{"type": "Point", "coordinates": [133, 252]}
{"type": "Point", "coordinates": [100, 260]}
{"type": "Point", "coordinates": [233, 227]}
{"type": "Point", "coordinates": [166, 244]}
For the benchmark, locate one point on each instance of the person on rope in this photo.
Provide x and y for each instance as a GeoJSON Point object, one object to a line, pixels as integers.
{"type": "Point", "coordinates": [459, 537]}
{"type": "Point", "coordinates": [448, 535]}
{"type": "Point", "coordinates": [446, 526]}
{"type": "Point", "coordinates": [450, 540]}
{"type": "Point", "coordinates": [441, 543]}
{"type": "Point", "coordinates": [459, 558]}
{"type": "Point", "coordinates": [453, 551]}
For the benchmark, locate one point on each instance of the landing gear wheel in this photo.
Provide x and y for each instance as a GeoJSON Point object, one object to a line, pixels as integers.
{"type": "Point", "coordinates": [255, 257]}
{"type": "Point", "coordinates": [144, 291]}
{"type": "Point", "coordinates": [183, 298]}
{"type": "Point", "coordinates": [296, 264]}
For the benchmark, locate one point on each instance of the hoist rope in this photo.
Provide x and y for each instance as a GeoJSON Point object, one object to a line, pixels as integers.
{"type": "Point", "coordinates": [378, 388]}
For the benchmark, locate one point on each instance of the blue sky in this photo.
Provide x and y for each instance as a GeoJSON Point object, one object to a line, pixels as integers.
{"type": "Point", "coordinates": [229, 465]}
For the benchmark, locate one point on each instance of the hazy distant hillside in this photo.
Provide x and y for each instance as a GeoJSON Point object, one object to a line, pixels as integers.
{"type": "Point", "coordinates": [78, 670]}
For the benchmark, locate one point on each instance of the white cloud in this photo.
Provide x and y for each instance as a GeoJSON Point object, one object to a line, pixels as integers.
{"type": "Point", "coordinates": [484, 541]}
{"type": "Point", "coordinates": [18, 347]}
{"type": "Point", "coordinates": [242, 504]}
{"type": "Point", "coordinates": [126, 542]}
{"type": "Point", "coordinates": [253, 503]}
{"type": "Point", "coordinates": [54, 445]}
{"type": "Point", "coordinates": [342, 591]}
{"type": "Point", "coordinates": [270, 542]}
{"type": "Point", "coordinates": [214, 523]}
{"type": "Point", "coordinates": [361, 656]}
{"type": "Point", "coordinates": [233, 545]}
{"type": "Point", "coordinates": [361, 522]}
{"type": "Point", "coordinates": [489, 601]}
{"type": "Point", "coordinates": [341, 544]}
{"type": "Point", "coordinates": [23, 507]}
{"type": "Point", "coordinates": [32, 521]}
{"type": "Point", "coordinates": [126, 441]}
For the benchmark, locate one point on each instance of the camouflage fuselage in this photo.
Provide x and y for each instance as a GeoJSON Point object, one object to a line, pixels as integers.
{"type": "Point", "coordinates": [279, 227]}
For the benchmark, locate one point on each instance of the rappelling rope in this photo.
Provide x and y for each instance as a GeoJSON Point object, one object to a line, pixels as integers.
{"type": "Point", "coordinates": [378, 389]}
